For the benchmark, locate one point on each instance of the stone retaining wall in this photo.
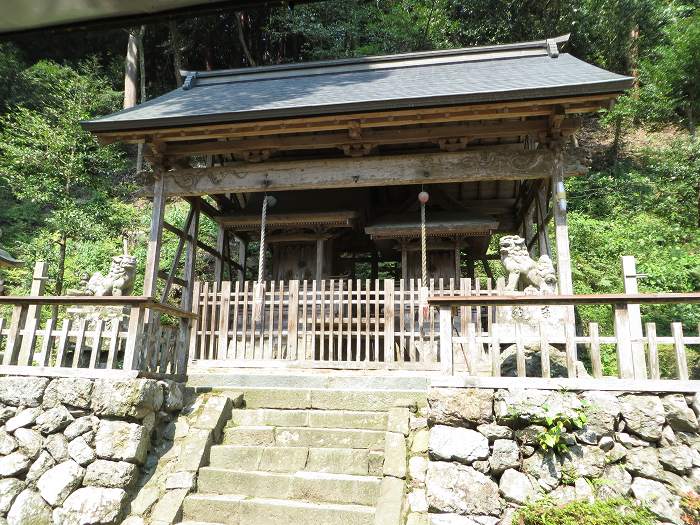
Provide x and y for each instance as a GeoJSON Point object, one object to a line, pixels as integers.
{"type": "Point", "coordinates": [73, 449]}
{"type": "Point", "coordinates": [481, 457]}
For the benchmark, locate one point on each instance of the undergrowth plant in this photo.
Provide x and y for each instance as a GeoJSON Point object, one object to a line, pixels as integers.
{"type": "Point", "coordinates": [616, 511]}
{"type": "Point", "coordinates": [552, 438]}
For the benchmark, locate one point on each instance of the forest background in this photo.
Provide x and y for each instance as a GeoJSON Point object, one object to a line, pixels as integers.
{"type": "Point", "coordinates": [68, 201]}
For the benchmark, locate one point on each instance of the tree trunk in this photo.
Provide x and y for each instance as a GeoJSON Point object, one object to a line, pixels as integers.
{"type": "Point", "coordinates": [175, 49]}
{"type": "Point", "coordinates": [142, 86]}
{"type": "Point", "coordinates": [131, 71]}
{"type": "Point", "coordinates": [241, 39]}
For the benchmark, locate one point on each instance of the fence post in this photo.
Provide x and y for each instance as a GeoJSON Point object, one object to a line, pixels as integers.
{"type": "Point", "coordinates": [26, 352]}
{"type": "Point", "coordinates": [625, 359]}
{"type": "Point", "coordinates": [132, 352]}
{"type": "Point", "coordinates": [446, 356]}
{"type": "Point", "coordinates": [388, 321]}
{"type": "Point", "coordinates": [629, 276]}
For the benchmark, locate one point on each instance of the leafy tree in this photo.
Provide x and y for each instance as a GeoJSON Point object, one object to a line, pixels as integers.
{"type": "Point", "coordinates": [51, 164]}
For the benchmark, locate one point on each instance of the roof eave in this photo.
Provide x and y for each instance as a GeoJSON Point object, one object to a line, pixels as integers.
{"type": "Point", "coordinates": [616, 86]}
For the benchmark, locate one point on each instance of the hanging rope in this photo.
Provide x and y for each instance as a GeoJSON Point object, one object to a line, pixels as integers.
{"type": "Point", "coordinates": [261, 255]}
{"type": "Point", "coordinates": [423, 199]}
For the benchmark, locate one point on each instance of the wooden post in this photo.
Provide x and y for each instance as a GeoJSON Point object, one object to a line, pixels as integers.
{"type": "Point", "coordinates": [219, 261]}
{"type": "Point", "coordinates": [242, 258]}
{"type": "Point", "coordinates": [133, 350]}
{"type": "Point", "coordinates": [186, 302]}
{"type": "Point", "coordinates": [625, 360]}
{"type": "Point", "coordinates": [404, 262]}
{"type": "Point", "coordinates": [629, 276]}
{"type": "Point", "coordinates": [446, 356]}
{"type": "Point", "coordinates": [155, 238]}
{"type": "Point", "coordinates": [542, 236]}
{"type": "Point", "coordinates": [458, 260]}
{"type": "Point", "coordinates": [319, 259]}
{"type": "Point", "coordinates": [564, 261]}
{"type": "Point", "coordinates": [26, 353]}
{"type": "Point", "coordinates": [388, 321]}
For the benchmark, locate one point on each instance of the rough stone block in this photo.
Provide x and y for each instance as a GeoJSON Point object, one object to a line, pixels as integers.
{"type": "Point", "coordinates": [29, 442]}
{"type": "Point", "coordinates": [9, 489]}
{"type": "Point", "coordinates": [43, 463]}
{"type": "Point", "coordinates": [128, 398]}
{"type": "Point", "coordinates": [181, 480]}
{"type": "Point", "coordinates": [95, 505]}
{"type": "Point", "coordinates": [458, 444]}
{"type": "Point", "coordinates": [14, 464]}
{"type": "Point", "coordinates": [22, 391]}
{"type": "Point", "coordinates": [644, 415]}
{"type": "Point", "coordinates": [120, 440]}
{"type": "Point", "coordinates": [111, 474]}
{"type": "Point", "coordinates": [460, 489]}
{"type": "Point", "coordinates": [8, 444]}
{"type": "Point", "coordinates": [505, 455]}
{"type": "Point", "coordinates": [678, 414]}
{"type": "Point", "coordinates": [23, 418]}
{"type": "Point", "coordinates": [58, 482]}
{"type": "Point", "coordinates": [29, 508]}
{"type": "Point", "coordinates": [71, 391]}
{"type": "Point", "coordinates": [80, 426]}
{"type": "Point", "coordinates": [460, 406]}
{"type": "Point", "coordinates": [516, 487]}
{"type": "Point", "coordinates": [57, 446]}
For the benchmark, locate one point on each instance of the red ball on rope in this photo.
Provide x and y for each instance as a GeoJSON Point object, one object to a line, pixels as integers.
{"type": "Point", "coordinates": [423, 197]}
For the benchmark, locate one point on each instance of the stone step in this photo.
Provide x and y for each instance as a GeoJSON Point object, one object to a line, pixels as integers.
{"type": "Point", "coordinates": [238, 510]}
{"type": "Point", "coordinates": [372, 400]}
{"type": "Point", "coordinates": [291, 459]}
{"type": "Point", "coordinates": [304, 437]}
{"type": "Point", "coordinates": [306, 486]}
{"type": "Point", "coordinates": [365, 420]}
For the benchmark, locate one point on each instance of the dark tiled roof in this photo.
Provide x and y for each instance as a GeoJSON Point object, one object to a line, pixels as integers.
{"type": "Point", "coordinates": [475, 75]}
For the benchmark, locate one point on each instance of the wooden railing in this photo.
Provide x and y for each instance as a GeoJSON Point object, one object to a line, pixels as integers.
{"type": "Point", "coordinates": [386, 324]}
{"type": "Point", "coordinates": [331, 323]}
{"type": "Point", "coordinates": [637, 351]}
{"type": "Point", "coordinates": [139, 334]}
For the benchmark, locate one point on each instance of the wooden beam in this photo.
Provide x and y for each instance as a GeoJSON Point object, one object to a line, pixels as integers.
{"type": "Point", "coordinates": [496, 129]}
{"type": "Point", "coordinates": [565, 300]}
{"type": "Point", "coordinates": [471, 165]}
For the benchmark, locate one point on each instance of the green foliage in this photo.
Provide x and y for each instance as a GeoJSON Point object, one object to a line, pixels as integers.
{"type": "Point", "coordinates": [60, 181]}
{"type": "Point", "coordinates": [556, 425]}
{"type": "Point", "coordinates": [617, 511]}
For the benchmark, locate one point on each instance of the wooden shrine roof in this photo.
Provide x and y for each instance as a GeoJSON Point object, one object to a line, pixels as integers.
{"type": "Point", "coordinates": [480, 75]}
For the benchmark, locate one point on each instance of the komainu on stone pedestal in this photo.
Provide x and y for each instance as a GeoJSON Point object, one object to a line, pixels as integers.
{"type": "Point", "coordinates": [118, 282]}
{"type": "Point", "coordinates": [529, 277]}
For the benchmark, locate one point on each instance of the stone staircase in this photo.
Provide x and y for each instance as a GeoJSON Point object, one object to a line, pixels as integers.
{"type": "Point", "coordinates": [299, 456]}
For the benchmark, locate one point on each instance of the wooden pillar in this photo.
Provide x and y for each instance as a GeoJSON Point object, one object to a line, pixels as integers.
{"type": "Point", "coordinates": [543, 243]}
{"type": "Point", "coordinates": [458, 261]}
{"type": "Point", "coordinates": [187, 299]}
{"type": "Point", "coordinates": [242, 258]}
{"type": "Point", "coordinates": [404, 262]}
{"type": "Point", "coordinates": [319, 259]}
{"type": "Point", "coordinates": [562, 235]}
{"type": "Point", "coordinates": [155, 238]}
{"type": "Point", "coordinates": [219, 261]}
{"type": "Point", "coordinates": [564, 262]}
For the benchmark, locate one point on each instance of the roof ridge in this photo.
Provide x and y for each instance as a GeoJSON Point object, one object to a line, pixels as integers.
{"type": "Point", "coordinates": [548, 46]}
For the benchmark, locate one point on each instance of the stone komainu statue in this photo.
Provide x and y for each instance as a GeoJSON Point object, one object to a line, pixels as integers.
{"type": "Point", "coordinates": [534, 276]}
{"type": "Point", "coordinates": [119, 281]}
